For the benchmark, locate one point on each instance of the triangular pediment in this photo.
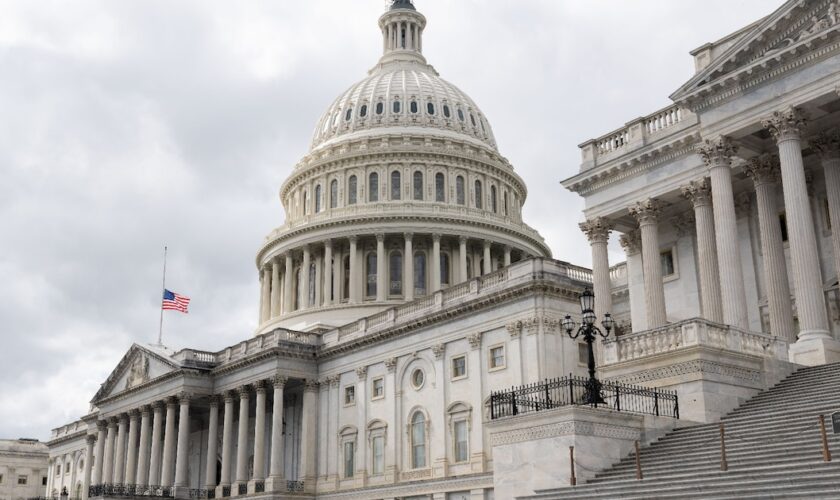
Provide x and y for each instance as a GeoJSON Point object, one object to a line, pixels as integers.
{"type": "Point", "coordinates": [138, 366]}
{"type": "Point", "coordinates": [793, 28]}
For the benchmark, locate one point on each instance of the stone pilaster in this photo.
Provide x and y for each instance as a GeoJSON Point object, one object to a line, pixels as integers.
{"type": "Point", "coordinates": [717, 154]}
{"type": "Point", "coordinates": [597, 231]}
{"type": "Point", "coordinates": [764, 173]}
{"type": "Point", "coordinates": [700, 194]}
{"type": "Point", "coordinates": [647, 213]}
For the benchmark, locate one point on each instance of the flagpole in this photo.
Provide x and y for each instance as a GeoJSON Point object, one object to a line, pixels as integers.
{"type": "Point", "coordinates": [163, 290]}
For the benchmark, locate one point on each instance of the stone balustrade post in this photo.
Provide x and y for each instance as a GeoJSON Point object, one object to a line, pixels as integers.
{"type": "Point", "coordinates": [647, 213]}
{"type": "Point", "coordinates": [700, 194]}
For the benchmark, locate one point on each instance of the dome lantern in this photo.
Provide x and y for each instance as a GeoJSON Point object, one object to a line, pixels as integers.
{"type": "Point", "coordinates": [402, 33]}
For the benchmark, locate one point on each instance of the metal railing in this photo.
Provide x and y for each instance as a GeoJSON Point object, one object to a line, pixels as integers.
{"type": "Point", "coordinates": [242, 488]}
{"type": "Point", "coordinates": [259, 486]}
{"type": "Point", "coordinates": [129, 490]}
{"type": "Point", "coordinates": [199, 493]}
{"type": "Point", "coordinates": [294, 486]}
{"type": "Point", "coordinates": [225, 491]}
{"type": "Point", "coordinates": [572, 390]}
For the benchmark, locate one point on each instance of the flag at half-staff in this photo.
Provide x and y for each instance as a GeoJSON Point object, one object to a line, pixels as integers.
{"type": "Point", "coordinates": [175, 302]}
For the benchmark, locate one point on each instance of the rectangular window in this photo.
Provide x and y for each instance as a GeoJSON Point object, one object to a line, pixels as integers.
{"type": "Point", "coordinates": [459, 367]}
{"type": "Point", "coordinates": [349, 458]}
{"type": "Point", "coordinates": [43, 481]}
{"type": "Point", "coordinates": [349, 395]}
{"type": "Point", "coordinates": [667, 259]}
{"type": "Point", "coordinates": [461, 441]}
{"type": "Point", "coordinates": [22, 479]}
{"type": "Point", "coordinates": [378, 455]}
{"type": "Point", "coordinates": [378, 389]}
{"type": "Point", "coordinates": [497, 357]}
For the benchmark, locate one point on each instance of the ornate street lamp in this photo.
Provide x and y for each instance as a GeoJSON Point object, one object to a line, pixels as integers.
{"type": "Point", "coordinates": [588, 329]}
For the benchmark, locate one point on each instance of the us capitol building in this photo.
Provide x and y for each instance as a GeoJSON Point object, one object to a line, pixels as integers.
{"type": "Point", "coordinates": [404, 288]}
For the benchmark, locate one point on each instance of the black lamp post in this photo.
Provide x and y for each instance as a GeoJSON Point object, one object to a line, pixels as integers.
{"type": "Point", "coordinates": [589, 330]}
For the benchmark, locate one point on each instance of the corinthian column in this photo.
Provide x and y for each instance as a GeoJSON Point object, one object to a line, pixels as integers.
{"type": "Point", "coordinates": [277, 469]}
{"type": "Point", "coordinates": [181, 457]}
{"type": "Point", "coordinates": [101, 430]}
{"type": "Point", "coordinates": [764, 173]}
{"type": "Point", "coordinates": [304, 277]}
{"type": "Point", "coordinates": [131, 448]}
{"type": "Point", "coordinates": [259, 433]}
{"type": "Point", "coordinates": [119, 460]}
{"type": "Point", "coordinates": [227, 441]}
{"type": "Point", "coordinates": [143, 455]}
{"type": "Point", "coordinates": [308, 435]}
{"type": "Point", "coordinates": [786, 127]}
{"type": "Point", "coordinates": [381, 269]}
{"type": "Point", "coordinates": [242, 446]}
{"type": "Point", "coordinates": [717, 154]}
{"type": "Point", "coordinates": [700, 194]}
{"type": "Point", "coordinates": [265, 293]}
{"type": "Point", "coordinates": [288, 276]}
{"type": "Point", "coordinates": [435, 267]}
{"type": "Point", "coordinates": [328, 270]}
{"type": "Point", "coordinates": [828, 147]}
{"type": "Point", "coordinates": [212, 443]}
{"type": "Point", "coordinates": [462, 257]}
{"type": "Point", "coordinates": [157, 425]}
{"type": "Point", "coordinates": [274, 308]}
{"type": "Point", "coordinates": [354, 271]}
{"type": "Point", "coordinates": [168, 443]}
{"type": "Point", "coordinates": [647, 213]}
{"type": "Point", "coordinates": [597, 231]}
{"type": "Point", "coordinates": [108, 466]}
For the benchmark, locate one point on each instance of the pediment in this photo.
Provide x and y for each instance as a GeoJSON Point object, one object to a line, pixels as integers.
{"type": "Point", "coordinates": [793, 28]}
{"type": "Point", "coordinates": [138, 366]}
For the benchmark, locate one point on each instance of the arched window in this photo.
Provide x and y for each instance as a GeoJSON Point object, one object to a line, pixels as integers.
{"type": "Point", "coordinates": [346, 284]}
{"type": "Point", "coordinates": [440, 187]}
{"type": "Point", "coordinates": [460, 114]}
{"type": "Point", "coordinates": [351, 190]}
{"type": "Point", "coordinates": [418, 185]}
{"type": "Point", "coordinates": [477, 194]}
{"type": "Point", "coordinates": [446, 111]}
{"type": "Point", "coordinates": [504, 203]}
{"type": "Point", "coordinates": [472, 119]}
{"type": "Point", "coordinates": [469, 268]}
{"type": "Point", "coordinates": [333, 193]}
{"type": "Point", "coordinates": [395, 185]}
{"type": "Point", "coordinates": [444, 268]}
{"type": "Point", "coordinates": [413, 106]}
{"type": "Point", "coordinates": [363, 111]}
{"type": "Point", "coordinates": [493, 199]}
{"type": "Point", "coordinates": [396, 269]}
{"type": "Point", "coordinates": [396, 107]}
{"type": "Point", "coordinates": [418, 440]}
{"type": "Point", "coordinates": [370, 288]}
{"type": "Point", "coordinates": [459, 190]}
{"type": "Point", "coordinates": [419, 274]}
{"type": "Point", "coordinates": [348, 114]}
{"type": "Point", "coordinates": [373, 187]}
{"type": "Point", "coordinates": [379, 108]}
{"type": "Point", "coordinates": [430, 108]}
{"type": "Point", "coordinates": [317, 198]}
{"type": "Point", "coordinates": [312, 273]}
{"type": "Point", "coordinates": [305, 203]}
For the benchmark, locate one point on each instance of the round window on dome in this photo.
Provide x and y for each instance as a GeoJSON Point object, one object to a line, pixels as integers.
{"type": "Point", "coordinates": [413, 106]}
{"type": "Point", "coordinates": [460, 114]}
{"type": "Point", "coordinates": [418, 378]}
{"type": "Point", "coordinates": [379, 108]}
{"type": "Point", "coordinates": [396, 107]}
{"type": "Point", "coordinates": [430, 108]}
{"type": "Point", "coordinates": [348, 114]}
{"type": "Point", "coordinates": [446, 111]}
{"type": "Point", "coordinates": [363, 111]}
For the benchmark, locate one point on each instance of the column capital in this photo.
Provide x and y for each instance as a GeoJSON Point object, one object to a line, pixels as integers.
{"type": "Point", "coordinates": [279, 381]}
{"type": "Point", "coordinates": [631, 241]}
{"type": "Point", "coordinates": [487, 243]}
{"type": "Point", "coordinates": [90, 439]}
{"type": "Point", "coordinates": [185, 397]}
{"type": "Point", "coordinates": [311, 385]}
{"type": "Point", "coordinates": [113, 421]}
{"type": "Point", "coordinates": [353, 239]}
{"type": "Point", "coordinates": [145, 410]}
{"type": "Point", "coordinates": [133, 414]}
{"type": "Point", "coordinates": [514, 328]}
{"type": "Point", "coordinates": [597, 230]}
{"type": "Point", "coordinates": [763, 169]}
{"type": "Point", "coordinates": [333, 380]}
{"type": "Point", "coordinates": [229, 396]}
{"type": "Point", "coordinates": [408, 236]}
{"type": "Point", "coordinates": [101, 424]}
{"type": "Point", "coordinates": [214, 400]}
{"type": "Point", "coordinates": [646, 211]}
{"type": "Point", "coordinates": [827, 144]}
{"type": "Point", "coordinates": [244, 391]}
{"type": "Point", "coordinates": [158, 405]}
{"type": "Point", "coordinates": [391, 364]}
{"type": "Point", "coordinates": [328, 243]}
{"type": "Point", "coordinates": [684, 223]}
{"type": "Point", "coordinates": [462, 240]}
{"type": "Point", "coordinates": [171, 401]}
{"type": "Point", "coordinates": [436, 237]}
{"type": "Point", "coordinates": [361, 372]}
{"type": "Point", "coordinates": [474, 339]}
{"type": "Point", "coordinates": [438, 350]}
{"type": "Point", "coordinates": [698, 192]}
{"type": "Point", "coordinates": [785, 124]}
{"type": "Point", "coordinates": [259, 386]}
{"type": "Point", "coordinates": [717, 152]}
{"type": "Point", "coordinates": [380, 237]}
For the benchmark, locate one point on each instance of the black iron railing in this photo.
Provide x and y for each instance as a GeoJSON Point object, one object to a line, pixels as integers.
{"type": "Point", "coordinates": [199, 493]}
{"type": "Point", "coordinates": [294, 486]}
{"type": "Point", "coordinates": [572, 390]}
{"type": "Point", "coordinates": [259, 486]}
{"type": "Point", "coordinates": [211, 493]}
{"type": "Point", "coordinates": [225, 491]}
{"type": "Point", "coordinates": [129, 490]}
{"type": "Point", "coordinates": [242, 488]}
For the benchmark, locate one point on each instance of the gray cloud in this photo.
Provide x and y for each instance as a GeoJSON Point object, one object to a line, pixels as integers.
{"type": "Point", "coordinates": [127, 125]}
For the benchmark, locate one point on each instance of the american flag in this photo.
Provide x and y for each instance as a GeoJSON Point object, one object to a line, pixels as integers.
{"type": "Point", "coordinates": [175, 302]}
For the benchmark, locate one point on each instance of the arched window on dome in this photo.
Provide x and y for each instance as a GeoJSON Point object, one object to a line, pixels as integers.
{"type": "Point", "coordinates": [460, 114]}
{"type": "Point", "coordinates": [305, 202]}
{"type": "Point", "coordinates": [440, 187]}
{"type": "Point", "coordinates": [333, 193]}
{"type": "Point", "coordinates": [430, 108]}
{"type": "Point", "coordinates": [346, 285]}
{"type": "Point", "coordinates": [444, 268]}
{"type": "Point", "coordinates": [363, 111]}
{"type": "Point", "coordinates": [297, 298]}
{"type": "Point", "coordinates": [351, 190]}
{"type": "Point", "coordinates": [395, 267]}
{"type": "Point", "coordinates": [459, 190]}
{"type": "Point", "coordinates": [478, 194]}
{"type": "Point", "coordinates": [317, 198]}
{"type": "Point", "coordinates": [417, 437]}
{"type": "Point", "coordinates": [472, 119]}
{"type": "Point", "coordinates": [373, 187]}
{"type": "Point", "coordinates": [418, 185]}
{"type": "Point", "coordinates": [370, 274]}
{"type": "Point", "coordinates": [395, 185]}
{"type": "Point", "coordinates": [380, 108]}
{"type": "Point", "coordinates": [419, 274]}
{"type": "Point", "coordinates": [395, 108]}
{"type": "Point", "coordinates": [312, 273]}
{"type": "Point", "coordinates": [348, 114]}
{"type": "Point", "coordinates": [493, 205]}
{"type": "Point", "coordinates": [413, 107]}
{"type": "Point", "coordinates": [469, 268]}
{"type": "Point", "coordinates": [446, 112]}
{"type": "Point", "coordinates": [505, 203]}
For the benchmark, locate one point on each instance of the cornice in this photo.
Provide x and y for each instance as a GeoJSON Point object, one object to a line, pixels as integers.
{"type": "Point", "coordinates": [66, 437]}
{"type": "Point", "coordinates": [286, 350]}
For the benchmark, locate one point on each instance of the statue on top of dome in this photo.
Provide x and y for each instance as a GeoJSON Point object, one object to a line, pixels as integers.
{"type": "Point", "coordinates": [401, 4]}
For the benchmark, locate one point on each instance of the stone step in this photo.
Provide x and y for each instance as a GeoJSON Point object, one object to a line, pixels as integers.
{"type": "Point", "coordinates": [827, 401]}
{"type": "Point", "coordinates": [795, 438]}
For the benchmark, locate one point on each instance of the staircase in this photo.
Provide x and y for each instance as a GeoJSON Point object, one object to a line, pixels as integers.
{"type": "Point", "coordinates": [773, 449]}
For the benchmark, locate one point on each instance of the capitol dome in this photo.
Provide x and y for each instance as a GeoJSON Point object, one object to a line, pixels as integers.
{"type": "Point", "coordinates": [402, 193]}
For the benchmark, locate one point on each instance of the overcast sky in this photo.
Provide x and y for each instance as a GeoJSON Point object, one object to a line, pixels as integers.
{"type": "Point", "coordinates": [128, 125]}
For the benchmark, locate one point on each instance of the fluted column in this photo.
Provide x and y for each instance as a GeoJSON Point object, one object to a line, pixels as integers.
{"type": "Point", "coordinates": [168, 443]}
{"type": "Point", "coordinates": [408, 267]}
{"type": "Point", "coordinates": [131, 448]}
{"type": "Point", "coordinates": [381, 269]}
{"type": "Point", "coordinates": [277, 467]}
{"type": "Point", "coordinates": [108, 468]}
{"type": "Point", "coordinates": [764, 174]}
{"type": "Point", "coordinates": [827, 146]}
{"type": "Point", "coordinates": [288, 276]}
{"type": "Point", "coordinates": [786, 126]}
{"type": "Point", "coordinates": [155, 455]}
{"type": "Point", "coordinates": [647, 213]}
{"type": "Point", "coordinates": [304, 277]}
{"type": "Point", "coordinates": [259, 433]}
{"type": "Point", "coordinates": [182, 456]}
{"type": "Point", "coordinates": [119, 459]}
{"type": "Point", "coordinates": [101, 433]}
{"type": "Point", "coordinates": [328, 270]}
{"type": "Point", "coordinates": [462, 257]}
{"type": "Point", "coordinates": [308, 436]}
{"type": "Point", "coordinates": [597, 231]}
{"type": "Point", "coordinates": [700, 194]}
{"type": "Point", "coordinates": [242, 445]}
{"type": "Point", "coordinates": [227, 440]}
{"type": "Point", "coordinates": [89, 440]}
{"type": "Point", "coordinates": [265, 298]}
{"type": "Point", "coordinates": [487, 264]}
{"type": "Point", "coordinates": [274, 309]}
{"type": "Point", "coordinates": [435, 262]}
{"type": "Point", "coordinates": [354, 271]}
{"type": "Point", "coordinates": [142, 474]}
{"type": "Point", "coordinates": [212, 442]}
{"type": "Point", "coordinates": [717, 154]}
